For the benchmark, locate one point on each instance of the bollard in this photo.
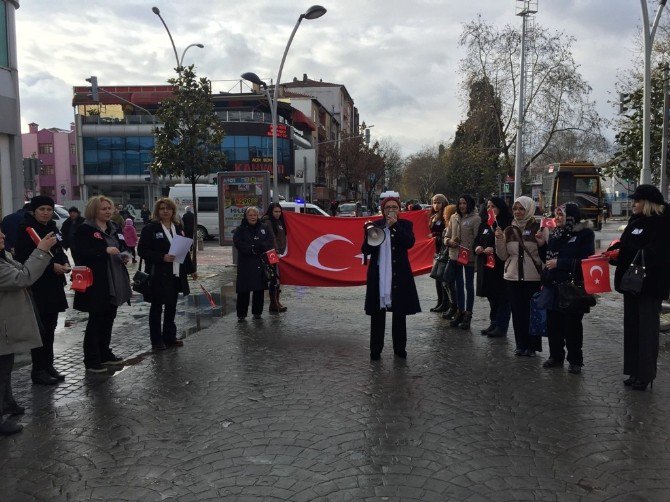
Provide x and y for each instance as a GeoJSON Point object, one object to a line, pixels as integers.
{"type": "Point", "coordinates": [201, 245]}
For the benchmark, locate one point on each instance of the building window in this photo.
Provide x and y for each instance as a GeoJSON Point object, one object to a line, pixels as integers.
{"type": "Point", "coordinates": [73, 169]}
{"type": "Point", "coordinates": [47, 169]}
{"type": "Point", "coordinates": [73, 148]}
{"type": "Point", "coordinates": [4, 41]}
{"type": "Point", "coordinates": [49, 191]}
{"type": "Point", "coordinates": [46, 148]}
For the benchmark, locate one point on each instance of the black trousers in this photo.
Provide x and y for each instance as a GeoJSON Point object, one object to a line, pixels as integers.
{"type": "Point", "coordinates": [6, 397]}
{"type": "Point", "coordinates": [256, 303]}
{"type": "Point", "coordinates": [641, 325]}
{"type": "Point", "coordinates": [440, 291]}
{"type": "Point", "coordinates": [520, 293]}
{"type": "Point", "coordinates": [98, 336]}
{"type": "Point", "coordinates": [398, 331]}
{"type": "Point", "coordinates": [43, 357]}
{"type": "Point", "coordinates": [565, 329]}
{"type": "Point", "coordinates": [168, 334]}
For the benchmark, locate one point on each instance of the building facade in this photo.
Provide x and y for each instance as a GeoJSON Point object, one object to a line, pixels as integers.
{"type": "Point", "coordinates": [11, 166]}
{"type": "Point", "coordinates": [56, 150]}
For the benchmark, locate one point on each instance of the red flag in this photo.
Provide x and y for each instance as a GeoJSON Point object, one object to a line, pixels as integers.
{"type": "Point", "coordinates": [209, 296]}
{"type": "Point", "coordinates": [548, 223]}
{"type": "Point", "coordinates": [325, 251]}
{"type": "Point", "coordinates": [463, 255]}
{"type": "Point", "coordinates": [272, 256]}
{"type": "Point", "coordinates": [82, 278]}
{"type": "Point", "coordinates": [492, 217]}
{"type": "Point", "coordinates": [490, 261]}
{"type": "Point", "coordinates": [596, 272]}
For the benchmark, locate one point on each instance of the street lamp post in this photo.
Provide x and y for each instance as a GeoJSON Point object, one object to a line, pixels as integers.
{"type": "Point", "coordinates": [645, 173]}
{"type": "Point", "coordinates": [314, 12]}
{"type": "Point", "coordinates": [179, 61]}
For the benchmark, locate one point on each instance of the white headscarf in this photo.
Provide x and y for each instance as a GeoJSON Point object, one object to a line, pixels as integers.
{"type": "Point", "coordinates": [529, 205]}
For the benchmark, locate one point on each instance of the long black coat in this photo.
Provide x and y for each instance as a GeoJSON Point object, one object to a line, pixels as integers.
{"type": "Point", "coordinates": [251, 242]}
{"type": "Point", "coordinates": [404, 298]}
{"type": "Point", "coordinates": [92, 253]}
{"type": "Point", "coordinates": [651, 233]}
{"type": "Point", "coordinates": [48, 291]}
{"type": "Point", "coordinates": [153, 246]}
{"type": "Point", "coordinates": [490, 282]}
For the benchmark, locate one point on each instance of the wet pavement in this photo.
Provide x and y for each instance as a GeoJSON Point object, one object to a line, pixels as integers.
{"type": "Point", "coordinates": [291, 408]}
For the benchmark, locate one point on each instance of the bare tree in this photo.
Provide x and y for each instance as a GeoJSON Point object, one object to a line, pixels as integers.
{"type": "Point", "coordinates": [422, 173]}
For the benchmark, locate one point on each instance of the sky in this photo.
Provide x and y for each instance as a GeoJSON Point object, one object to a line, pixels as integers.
{"type": "Point", "coordinates": [398, 59]}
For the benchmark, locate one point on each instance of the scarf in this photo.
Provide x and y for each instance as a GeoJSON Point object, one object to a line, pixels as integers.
{"type": "Point", "coordinates": [385, 271]}
{"type": "Point", "coordinates": [170, 233]}
{"type": "Point", "coordinates": [529, 215]}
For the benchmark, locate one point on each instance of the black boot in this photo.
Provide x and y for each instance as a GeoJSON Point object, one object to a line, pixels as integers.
{"type": "Point", "coordinates": [487, 330]}
{"type": "Point", "coordinates": [466, 320]}
{"type": "Point", "coordinates": [449, 314]}
{"type": "Point", "coordinates": [8, 428]}
{"type": "Point", "coordinates": [457, 319]}
{"type": "Point", "coordinates": [41, 377]}
{"type": "Point", "coordinates": [54, 373]}
{"type": "Point", "coordinates": [280, 307]}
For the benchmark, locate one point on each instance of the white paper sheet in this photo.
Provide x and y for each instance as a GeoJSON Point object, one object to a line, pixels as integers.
{"type": "Point", "coordinates": [180, 247]}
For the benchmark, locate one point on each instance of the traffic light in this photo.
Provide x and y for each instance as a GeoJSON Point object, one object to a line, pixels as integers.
{"type": "Point", "coordinates": [94, 87]}
{"type": "Point", "coordinates": [624, 99]}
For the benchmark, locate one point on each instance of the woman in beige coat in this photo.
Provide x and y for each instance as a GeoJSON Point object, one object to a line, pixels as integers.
{"type": "Point", "coordinates": [18, 324]}
{"type": "Point", "coordinates": [522, 246]}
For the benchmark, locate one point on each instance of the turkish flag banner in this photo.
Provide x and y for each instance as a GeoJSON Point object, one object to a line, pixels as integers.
{"type": "Point", "coordinates": [596, 272]}
{"type": "Point", "coordinates": [272, 256]}
{"type": "Point", "coordinates": [490, 261]}
{"type": "Point", "coordinates": [548, 223]}
{"type": "Point", "coordinates": [326, 251]}
{"type": "Point", "coordinates": [463, 255]}
{"type": "Point", "coordinates": [492, 218]}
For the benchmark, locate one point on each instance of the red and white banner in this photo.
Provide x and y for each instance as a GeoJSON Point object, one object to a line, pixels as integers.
{"type": "Point", "coordinates": [596, 272]}
{"type": "Point", "coordinates": [326, 251]}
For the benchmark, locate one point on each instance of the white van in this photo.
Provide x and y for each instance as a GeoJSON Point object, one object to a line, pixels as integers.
{"type": "Point", "coordinates": [208, 206]}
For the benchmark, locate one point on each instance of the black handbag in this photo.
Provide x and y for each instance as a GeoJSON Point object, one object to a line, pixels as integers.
{"type": "Point", "coordinates": [440, 263]}
{"type": "Point", "coordinates": [633, 278]}
{"type": "Point", "coordinates": [572, 297]}
{"type": "Point", "coordinates": [141, 281]}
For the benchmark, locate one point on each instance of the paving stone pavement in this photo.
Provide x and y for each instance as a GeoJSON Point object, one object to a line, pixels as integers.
{"type": "Point", "coordinates": [291, 408]}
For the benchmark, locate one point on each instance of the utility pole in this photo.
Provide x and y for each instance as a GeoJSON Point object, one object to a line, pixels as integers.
{"type": "Point", "coordinates": [663, 182]}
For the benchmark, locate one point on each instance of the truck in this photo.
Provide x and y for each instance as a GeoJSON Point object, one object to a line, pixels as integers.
{"type": "Point", "coordinates": [577, 182]}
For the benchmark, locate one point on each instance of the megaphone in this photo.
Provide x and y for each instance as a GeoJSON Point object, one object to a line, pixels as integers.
{"type": "Point", "coordinates": [374, 235]}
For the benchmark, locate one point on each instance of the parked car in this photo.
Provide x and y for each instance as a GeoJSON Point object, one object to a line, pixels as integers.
{"type": "Point", "coordinates": [348, 210]}
{"type": "Point", "coordinates": [299, 207]}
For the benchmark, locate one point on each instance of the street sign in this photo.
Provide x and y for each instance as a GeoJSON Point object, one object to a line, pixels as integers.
{"type": "Point", "coordinates": [507, 188]}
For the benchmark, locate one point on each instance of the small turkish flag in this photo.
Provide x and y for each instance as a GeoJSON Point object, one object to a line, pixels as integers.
{"type": "Point", "coordinates": [492, 217]}
{"type": "Point", "coordinates": [596, 272]}
{"type": "Point", "coordinates": [82, 278]}
{"type": "Point", "coordinates": [463, 255]}
{"type": "Point", "coordinates": [548, 223]}
{"type": "Point", "coordinates": [272, 256]}
{"type": "Point", "coordinates": [490, 261]}
{"type": "Point", "coordinates": [33, 235]}
{"type": "Point", "coordinates": [208, 295]}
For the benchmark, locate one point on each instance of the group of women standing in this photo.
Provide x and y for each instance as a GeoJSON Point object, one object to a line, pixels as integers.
{"type": "Point", "coordinates": [515, 258]}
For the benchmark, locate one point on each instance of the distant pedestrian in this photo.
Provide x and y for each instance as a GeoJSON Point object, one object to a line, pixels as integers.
{"type": "Point", "coordinates": [333, 207]}
{"type": "Point", "coordinates": [99, 248]}
{"type": "Point", "coordinates": [168, 278]}
{"type": "Point", "coordinates": [69, 228]}
{"type": "Point", "coordinates": [117, 217]}
{"type": "Point", "coordinates": [520, 247]}
{"type": "Point", "coordinates": [48, 291]}
{"type": "Point", "coordinates": [251, 239]}
{"type": "Point", "coordinates": [274, 219]}
{"type": "Point", "coordinates": [17, 317]}
{"type": "Point", "coordinates": [646, 237]}
{"type": "Point", "coordinates": [10, 226]}
{"type": "Point", "coordinates": [390, 283]}
{"type": "Point", "coordinates": [130, 236]}
{"type": "Point", "coordinates": [145, 214]}
{"type": "Point", "coordinates": [188, 220]}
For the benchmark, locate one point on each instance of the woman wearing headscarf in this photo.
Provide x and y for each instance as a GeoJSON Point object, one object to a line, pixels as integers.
{"type": "Point", "coordinates": [648, 232]}
{"type": "Point", "coordinates": [490, 281]}
{"type": "Point", "coordinates": [437, 226]}
{"type": "Point", "coordinates": [569, 243]}
{"type": "Point", "coordinates": [519, 246]}
{"type": "Point", "coordinates": [18, 324]}
{"type": "Point", "coordinates": [252, 239]}
{"type": "Point", "coordinates": [168, 277]}
{"type": "Point", "coordinates": [100, 248]}
{"type": "Point", "coordinates": [460, 236]}
{"type": "Point", "coordinates": [274, 220]}
{"type": "Point", "coordinates": [390, 283]}
{"type": "Point", "coordinates": [48, 291]}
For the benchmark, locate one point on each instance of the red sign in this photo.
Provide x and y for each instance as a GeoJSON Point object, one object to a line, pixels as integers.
{"type": "Point", "coordinates": [596, 272]}
{"type": "Point", "coordinates": [324, 251]}
{"type": "Point", "coordinates": [282, 131]}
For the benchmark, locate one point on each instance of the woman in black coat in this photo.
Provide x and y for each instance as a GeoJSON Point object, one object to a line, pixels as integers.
{"type": "Point", "coordinates": [490, 281]}
{"type": "Point", "coordinates": [47, 291]}
{"type": "Point", "coordinates": [569, 243]}
{"type": "Point", "coordinates": [436, 224]}
{"type": "Point", "coordinates": [252, 239]}
{"type": "Point", "coordinates": [390, 283]}
{"type": "Point", "coordinates": [168, 278]}
{"type": "Point", "coordinates": [648, 231]}
{"type": "Point", "coordinates": [99, 244]}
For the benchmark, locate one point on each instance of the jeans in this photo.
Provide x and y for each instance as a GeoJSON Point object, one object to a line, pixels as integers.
{"type": "Point", "coordinates": [465, 292]}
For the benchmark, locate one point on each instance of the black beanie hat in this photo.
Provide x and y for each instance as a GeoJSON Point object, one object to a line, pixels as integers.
{"type": "Point", "coordinates": [647, 192]}
{"type": "Point", "coordinates": [41, 200]}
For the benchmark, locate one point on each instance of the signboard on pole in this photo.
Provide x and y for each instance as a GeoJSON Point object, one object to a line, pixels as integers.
{"type": "Point", "coordinates": [237, 191]}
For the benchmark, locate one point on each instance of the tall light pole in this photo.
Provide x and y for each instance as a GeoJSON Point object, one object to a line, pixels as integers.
{"type": "Point", "coordinates": [314, 12]}
{"type": "Point", "coordinates": [649, 33]}
{"type": "Point", "coordinates": [179, 61]}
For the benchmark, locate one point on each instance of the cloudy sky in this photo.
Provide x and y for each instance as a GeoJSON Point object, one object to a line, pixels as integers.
{"type": "Point", "coordinates": [397, 58]}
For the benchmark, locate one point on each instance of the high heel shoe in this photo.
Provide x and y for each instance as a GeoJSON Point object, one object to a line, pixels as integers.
{"type": "Point", "coordinates": [639, 385]}
{"type": "Point", "coordinates": [630, 381]}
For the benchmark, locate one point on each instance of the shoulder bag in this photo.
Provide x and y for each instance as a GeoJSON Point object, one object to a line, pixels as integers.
{"type": "Point", "coordinates": [441, 260]}
{"type": "Point", "coordinates": [633, 278]}
{"type": "Point", "coordinates": [572, 297]}
{"type": "Point", "coordinates": [142, 280]}
{"type": "Point", "coordinates": [521, 244]}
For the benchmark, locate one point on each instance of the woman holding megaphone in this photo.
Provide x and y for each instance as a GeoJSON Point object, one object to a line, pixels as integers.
{"type": "Point", "coordinates": [390, 283]}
